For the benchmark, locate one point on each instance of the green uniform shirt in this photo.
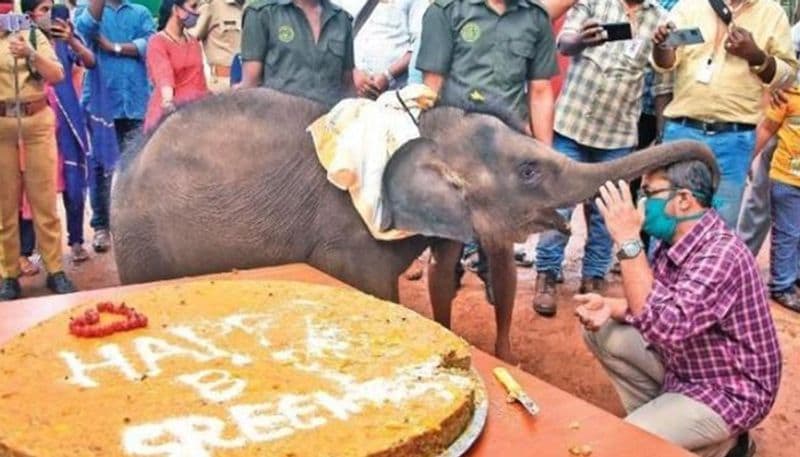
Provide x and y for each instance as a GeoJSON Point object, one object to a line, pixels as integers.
{"type": "Point", "coordinates": [277, 33]}
{"type": "Point", "coordinates": [485, 56]}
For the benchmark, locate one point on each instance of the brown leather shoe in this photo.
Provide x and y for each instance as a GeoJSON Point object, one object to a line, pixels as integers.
{"type": "Point", "coordinates": [592, 285]}
{"type": "Point", "coordinates": [544, 302]}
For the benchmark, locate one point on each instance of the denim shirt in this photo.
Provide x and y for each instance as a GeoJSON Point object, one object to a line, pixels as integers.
{"type": "Point", "coordinates": [125, 77]}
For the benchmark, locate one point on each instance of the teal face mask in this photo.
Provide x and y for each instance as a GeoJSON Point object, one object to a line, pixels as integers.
{"type": "Point", "coordinates": [659, 224]}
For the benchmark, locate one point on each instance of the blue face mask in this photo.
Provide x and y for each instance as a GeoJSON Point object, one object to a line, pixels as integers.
{"type": "Point", "coordinates": [659, 224]}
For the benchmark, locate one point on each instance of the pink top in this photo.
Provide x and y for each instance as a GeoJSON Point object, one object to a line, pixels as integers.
{"type": "Point", "coordinates": [173, 64]}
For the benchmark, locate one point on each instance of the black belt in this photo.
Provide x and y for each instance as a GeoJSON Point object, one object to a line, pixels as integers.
{"type": "Point", "coordinates": [714, 127]}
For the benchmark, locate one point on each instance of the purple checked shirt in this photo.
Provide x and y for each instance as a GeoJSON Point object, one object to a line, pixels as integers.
{"type": "Point", "coordinates": [708, 318]}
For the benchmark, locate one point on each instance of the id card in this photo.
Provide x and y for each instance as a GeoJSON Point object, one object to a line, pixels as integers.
{"type": "Point", "coordinates": [705, 72]}
{"type": "Point", "coordinates": [632, 47]}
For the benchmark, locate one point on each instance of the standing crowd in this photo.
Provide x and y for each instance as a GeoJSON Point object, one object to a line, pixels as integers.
{"type": "Point", "coordinates": [693, 337]}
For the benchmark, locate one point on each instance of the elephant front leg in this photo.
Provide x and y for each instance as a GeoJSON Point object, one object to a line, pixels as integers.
{"type": "Point", "coordinates": [503, 283]}
{"type": "Point", "coordinates": [442, 279]}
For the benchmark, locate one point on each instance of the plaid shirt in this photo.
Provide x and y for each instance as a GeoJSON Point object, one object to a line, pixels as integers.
{"type": "Point", "coordinates": [600, 102]}
{"type": "Point", "coordinates": [708, 318]}
{"type": "Point", "coordinates": [655, 83]}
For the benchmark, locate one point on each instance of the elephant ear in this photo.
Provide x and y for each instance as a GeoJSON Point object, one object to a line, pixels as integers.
{"type": "Point", "coordinates": [422, 194]}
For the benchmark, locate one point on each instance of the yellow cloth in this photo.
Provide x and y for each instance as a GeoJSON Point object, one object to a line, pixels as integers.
{"type": "Point", "coordinates": [30, 88]}
{"type": "Point", "coordinates": [735, 92]}
{"type": "Point", "coordinates": [356, 139]}
{"type": "Point", "coordinates": [785, 165]}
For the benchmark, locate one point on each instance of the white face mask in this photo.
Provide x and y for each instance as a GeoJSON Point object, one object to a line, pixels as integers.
{"type": "Point", "coordinates": [44, 23]}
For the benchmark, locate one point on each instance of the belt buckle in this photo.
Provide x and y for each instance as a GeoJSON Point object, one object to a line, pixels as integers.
{"type": "Point", "coordinates": [11, 110]}
{"type": "Point", "coordinates": [708, 131]}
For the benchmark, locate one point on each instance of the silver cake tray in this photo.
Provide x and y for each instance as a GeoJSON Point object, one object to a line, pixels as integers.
{"type": "Point", "coordinates": [470, 434]}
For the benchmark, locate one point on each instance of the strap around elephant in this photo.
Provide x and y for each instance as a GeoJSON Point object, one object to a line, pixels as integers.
{"type": "Point", "coordinates": [363, 15]}
{"type": "Point", "coordinates": [405, 107]}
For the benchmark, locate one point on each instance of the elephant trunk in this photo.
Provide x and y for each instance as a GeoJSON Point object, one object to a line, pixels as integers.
{"type": "Point", "coordinates": [587, 178]}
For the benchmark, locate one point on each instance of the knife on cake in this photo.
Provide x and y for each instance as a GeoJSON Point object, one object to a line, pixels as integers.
{"type": "Point", "coordinates": [515, 390]}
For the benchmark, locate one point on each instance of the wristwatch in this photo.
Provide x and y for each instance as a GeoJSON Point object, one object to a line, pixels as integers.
{"type": "Point", "coordinates": [758, 69]}
{"type": "Point", "coordinates": [117, 48]}
{"type": "Point", "coordinates": [630, 249]}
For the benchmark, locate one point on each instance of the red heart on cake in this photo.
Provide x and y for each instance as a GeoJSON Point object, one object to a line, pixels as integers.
{"type": "Point", "coordinates": [87, 325]}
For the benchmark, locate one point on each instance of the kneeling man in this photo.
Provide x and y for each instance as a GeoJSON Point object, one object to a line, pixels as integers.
{"type": "Point", "coordinates": [692, 348]}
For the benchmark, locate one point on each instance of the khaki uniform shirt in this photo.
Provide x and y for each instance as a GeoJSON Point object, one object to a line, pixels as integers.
{"type": "Point", "coordinates": [486, 56]}
{"type": "Point", "coordinates": [277, 33]}
{"type": "Point", "coordinates": [733, 93]}
{"type": "Point", "coordinates": [30, 87]}
{"type": "Point", "coordinates": [220, 30]}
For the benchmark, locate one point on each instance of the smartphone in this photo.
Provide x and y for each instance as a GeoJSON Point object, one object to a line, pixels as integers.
{"type": "Point", "coordinates": [684, 37]}
{"type": "Point", "coordinates": [617, 31]}
{"type": "Point", "coordinates": [723, 10]}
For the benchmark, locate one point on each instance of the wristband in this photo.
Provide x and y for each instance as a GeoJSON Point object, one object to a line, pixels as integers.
{"type": "Point", "coordinates": [758, 69]}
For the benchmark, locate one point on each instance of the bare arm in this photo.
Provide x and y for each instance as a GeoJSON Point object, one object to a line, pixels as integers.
{"type": "Point", "coordinates": [252, 74]}
{"type": "Point", "coordinates": [661, 102]}
{"type": "Point", "coordinates": [557, 8]}
{"type": "Point", "coordinates": [767, 128]}
{"type": "Point", "coordinates": [540, 106]}
{"type": "Point", "coordinates": [85, 54]}
{"type": "Point", "coordinates": [433, 80]}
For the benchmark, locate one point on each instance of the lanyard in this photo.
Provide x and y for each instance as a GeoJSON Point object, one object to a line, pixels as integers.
{"type": "Point", "coordinates": [722, 30]}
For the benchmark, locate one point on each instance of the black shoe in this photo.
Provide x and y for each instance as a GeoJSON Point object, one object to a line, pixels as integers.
{"type": "Point", "coordinates": [544, 302]}
{"type": "Point", "coordinates": [744, 447]}
{"type": "Point", "coordinates": [10, 289]}
{"type": "Point", "coordinates": [592, 285]}
{"type": "Point", "coordinates": [59, 283]}
{"type": "Point", "coordinates": [788, 299]}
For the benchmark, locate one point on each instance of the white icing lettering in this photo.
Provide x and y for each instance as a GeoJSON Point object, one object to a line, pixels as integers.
{"type": "Point", "coordinates": [191, 436]}
{"type": "Point", "coordinates": [188, 334]}
{"type": "Point", "coordinates": [151, 350]}
{"type": "Point", "coordinates": [257, 426]}
{"type": "Point", "coordinates": [252, 324]}
{"type": "Point", "coordinates": [214, 385]}
{"type": "Point", "coordinates": [297, 409]}
{"type": "Point", "coordinates": [340, 408]}
{"type": "Point", "coordinates": [112, 358]}
{"type": "Point", "coordinates": [324, 341]}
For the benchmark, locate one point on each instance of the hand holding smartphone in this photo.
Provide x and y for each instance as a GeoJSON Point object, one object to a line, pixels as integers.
{"type": "Point", "coordinates": [617, 31]}
{"type": "Point", "coordinates": [684, 37]}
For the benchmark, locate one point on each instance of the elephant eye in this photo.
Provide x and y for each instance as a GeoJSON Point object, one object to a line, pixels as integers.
{"type": "Point", "coordinates": [528, 171]}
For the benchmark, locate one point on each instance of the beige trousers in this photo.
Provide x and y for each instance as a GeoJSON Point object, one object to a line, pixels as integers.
{"type": "Point", "coordinates": [638, 374]}
{"type": "Point", "coordinates": [40, 186]}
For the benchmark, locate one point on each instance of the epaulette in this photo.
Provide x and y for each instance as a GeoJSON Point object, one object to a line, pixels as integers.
{"type": "Point", "coordinates": [539, 5]}
{"type": "Point", "coordinates": [258, 5]}
{"type": "Point", "coordinates": [443, 3]}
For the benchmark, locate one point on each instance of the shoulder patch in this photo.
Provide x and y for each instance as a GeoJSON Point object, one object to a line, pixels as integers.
{"type": "Point", "coordinates": [443, 3]}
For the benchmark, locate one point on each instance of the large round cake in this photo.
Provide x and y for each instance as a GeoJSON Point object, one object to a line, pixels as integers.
{"type": "Point", "coordinates": [238, 368]}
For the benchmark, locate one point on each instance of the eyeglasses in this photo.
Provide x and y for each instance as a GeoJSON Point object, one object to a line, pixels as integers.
{"type": "Point", "coordinates": [647, 193]}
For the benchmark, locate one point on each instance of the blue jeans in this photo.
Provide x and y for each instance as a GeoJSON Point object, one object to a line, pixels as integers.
{"type": "Point", "coordinates": [733, 151]}
{"type": "Point", "coordinates": [100, 189]}
{"type": "Point", "coordinates": [785, 249]}
{"type": "Point", "coordinates": [597, 251]}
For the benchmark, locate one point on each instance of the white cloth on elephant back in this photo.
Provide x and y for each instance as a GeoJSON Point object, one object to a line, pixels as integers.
{"type": "Point", "coordinates": [357, 137]}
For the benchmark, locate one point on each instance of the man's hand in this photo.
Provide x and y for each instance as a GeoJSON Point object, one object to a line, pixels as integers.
{"type": "Point", "coordinates": [662, 33]}
{"type": "Point", "coordinates": [623, 220]}
{"type": "Point", "coordinates": [20, 48]}
{"type": "Point", "coordinates": [380, 83]}
{"type": "Point", "coordinates": [592, 34]}
{"type": "Point", "coordinates": [741, 44]}
{"type": "Point", "coordinates": [778, 98]}
{"type": "Point", "coordinates": [363, 85]}
{"type": "Point", "coordinates": [592, 311]}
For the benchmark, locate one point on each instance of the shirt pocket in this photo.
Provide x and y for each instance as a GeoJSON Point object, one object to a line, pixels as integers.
{"type": "Point", "coordinates": [511, 61]}
{"type": "Point", "coordinates": [334, 59]}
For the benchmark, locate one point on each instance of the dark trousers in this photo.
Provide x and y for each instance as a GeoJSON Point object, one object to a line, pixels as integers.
{"type": "Point", "coordinates": [27, 237]}
{"type": "Point", "coordinates": [99, 194]}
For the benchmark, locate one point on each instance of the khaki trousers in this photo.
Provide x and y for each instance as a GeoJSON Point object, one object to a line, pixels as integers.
{"type": "Point", "coordinates": [638, 374]}
{"type": "Point", "coordinates": [40, 186]}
